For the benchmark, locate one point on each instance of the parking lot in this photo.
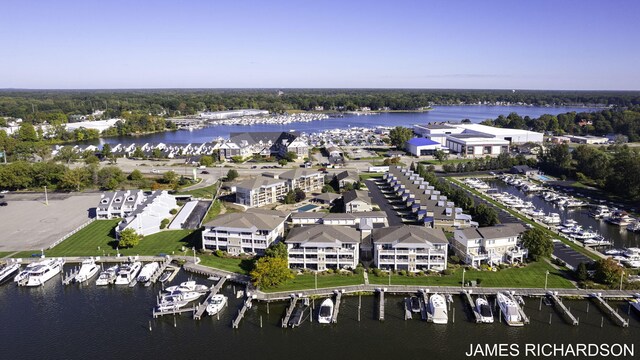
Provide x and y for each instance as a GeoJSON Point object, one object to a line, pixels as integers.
{"type": "Point", "coordinates": [568, 255]}
{"type": "Point", "coordinates": [27, 223]}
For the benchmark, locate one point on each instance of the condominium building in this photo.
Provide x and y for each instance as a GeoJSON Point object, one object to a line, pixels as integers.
{"type": "Point", "coordinates": [308, 180]}
{"type": "Point", "coordinates": [323, 247]}
{"type": "Point", "coordinates": [410, 247]}
{"type": "Point", "coordinates": [118, 204]}
{"type": "Point", "coordinates": [250, 232]}
{"type": "Point", "coordinates": [148, 214]}
{"type": "Point", "coordinates": [246, 144]}
{"type": "Point", "coordinates": [491, 245]}
{"type": "Point", "coordinates": [261, 191]}
{"type": "Point", "coordinates": [357, 201]}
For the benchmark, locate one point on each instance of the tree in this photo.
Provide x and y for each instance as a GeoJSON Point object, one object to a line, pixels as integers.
{"type": "Point", "coordinates": [138, 153]}
{"type": "Point", "coordinates": [237, 159]}
{"type": "Point", "coordinates": [441, 156]}
{"type": "Point", "coordinates": [169, 177]}
{"type": "Point", "coordinates": [277, 250]}
{"type": "Point", "coordinates": [608, 271]}
{"type": "Point", "coordinates": [110, 177]}
{"type": "Point", "coordinates": [485, 215]}
{"type": "Point", "coordinates": [270, 271]}
{"type": "Point", "coordinates": [290, 198]}
{"type": "Point", "coordinates": [232, 175]}
{"type": "Point", "coordinates": [129, 238]}
{"type": "Point", "coordinates": [106, 151]}
{"type": "Point", "coordinates": [581, 272]}
{"type": "Point", "coordinates": [290, 156]}
{"type": "Point", "coordinates": [328, 189]}
{"type": "Point", "coordinates": [399, 136]}
{"type": "Point", "coordinates": [538, 243]}
{"type": "Point", "coordinates": [91, 159]}
{"type": "Point", "coordinates": [67, 154]}
{"type": "Point", "coordinates": [156, 153]}
{"type": "Point", "coordinates": [136, 175]}
{"type": "Point", "coordinates": [27, 132]}
{"type": "Point", "coordinates": [206, 160]}
{"type": "Point", "coordinates": [283, 162]}
{"type": "Point", "coordinates": [299, 194]}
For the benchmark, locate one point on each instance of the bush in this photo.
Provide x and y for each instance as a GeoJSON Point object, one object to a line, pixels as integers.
{"type": "Point", "coordinates": [218, 253]}
{"type": "Point", "coordinates": [377, 272]}
{"type": "Point", "coordinates": [232, 175]}
{"type": "Point", "coordinates": [173, 211]}
{"type": "Point", "coordinates": [455, 259]}
{"type": "Point", "coordinates": [164, 223]}
{"type": "Point", "coordinates": [402, 273]}
{"type": "Point", "coordinates": [447, 272]}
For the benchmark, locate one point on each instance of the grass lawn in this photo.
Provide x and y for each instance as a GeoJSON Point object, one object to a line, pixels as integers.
{"type": "Point", "coordinates": [531, 276]}
{"type": "Point", "coordinates": [307, 281]}
{"type": "Point", "coordinates": [241, 266]}
{"type": "Point", "coordinates": [213, 212]}
{"type": "Point", "coordinates": [448, 161]}
{"type": "Point", "coordinates": [205, 192]}
{"type": "Point", "coordinates": [5, 253]}
{"type": "Point", "coordinates": [370, 176]}
{"type": "Point", "coordinates": [97, 239]}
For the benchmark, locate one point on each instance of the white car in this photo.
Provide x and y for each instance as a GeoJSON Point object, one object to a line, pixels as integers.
{"type": "Point", "coordinates": [4, 192]}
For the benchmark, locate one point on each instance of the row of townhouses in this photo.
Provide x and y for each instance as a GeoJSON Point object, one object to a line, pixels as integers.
{"type": "Point", "coordinates": [246, 144]}
{"type": "Point", "coordinates": [269, 188]}
{"type": "Point", "coordinates": [138, 211]}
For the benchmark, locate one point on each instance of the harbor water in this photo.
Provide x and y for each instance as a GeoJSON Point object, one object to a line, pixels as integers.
{"type": "Point", "coordinates": [90, 322]}
{"type": "Point", "coordinates": [438, 114]}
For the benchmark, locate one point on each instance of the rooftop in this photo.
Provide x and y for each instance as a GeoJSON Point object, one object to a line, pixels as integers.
{"type": "Point", "coordinates": [409, 234]}
{"type": "Point", "coordinates": [247, 220]}
{"type": "Point", "coordinates": [319, 235]}
{"type": "Point", "coordinates": [422, 142]}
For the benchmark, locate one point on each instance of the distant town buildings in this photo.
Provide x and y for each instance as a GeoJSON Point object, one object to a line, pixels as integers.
{"type": "Point", "coordinates": [229, 114]}
{"type": "Point", "coordinates": [247, 144]}
{"type": "Point", "coordinates": [269, 188]}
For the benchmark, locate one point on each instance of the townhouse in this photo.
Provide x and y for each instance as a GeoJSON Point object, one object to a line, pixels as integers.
{"type": "Point", "coordinates": [410, 247]}
{"type": "Point", "coordinates": [492, 245]}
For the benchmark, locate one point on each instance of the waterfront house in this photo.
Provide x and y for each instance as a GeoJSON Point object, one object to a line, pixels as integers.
{"type": "Point", "coordinates": [147, 216]}
{"type": "Point", "coordinates": [250, 232]}
{"type": "Point", "coordinates": [323, 247]}
{"type": "Point", "coordinates": [245, 144]}
{"type": "Point", "coordinates": [410, 247]}
{"type": "Point", "coordinates": [491, 245]}
{"type": "Point", "coordinates": [357, 201]}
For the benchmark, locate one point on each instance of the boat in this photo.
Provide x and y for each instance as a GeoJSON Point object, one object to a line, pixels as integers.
{"type": "Point", "coordinates": [483, 308]}
{"type": "Point", "coordinates": [298, 314]}
{"type": "Point", "coordinates": [8, 270]}
{"type": "Point", "coordinates": [187, 286]}
{"type": "Point", "coordinates": [619, 218]}
{"type": "Point", "coordinates": [614, 252]}
{"type": "Point", "coordinates": [88, 269]}
{"type": "Point", "coordinates": [147, 272]}
{"type": "Point", "coordinates": [552, 218]}
{"type": "Point", "coordinates": [165, 276]}
{"type": "Point", "coordinates": [108, 276]}
{"type": "Point", "coordinates": [128, 272]}
{"type": "Point", "coordinates": [634, 227]}
{"type": "Point", "coordinates": [42, 272]}
{"type": "Point", "coordinates": [601, 211]}
{"type": "Point", "coordinates": [635, 304]}
{"type": "Point", "coordinates": [171, 303]}
{"type": "Point", "coordinates": [632, 252]}
{"type": "Point", "coordinates": [325, 313]}
{"type": "Point", "coordinates": [509, 310]}
{"type": "Point", "coordinates": [187, 296]}
{"type": "Point", "coordinates": [216, 303]}
{"type": "Point", "coordinates": [415, 304]}
{"type": "Point", "coordinates": [438, 307]}
{"type": "Point", "coordinates": [569, 223]}
{"type": "Point", "coordinates": [24, 274]}
{"type": "Point", "coordinates": [584, 235]}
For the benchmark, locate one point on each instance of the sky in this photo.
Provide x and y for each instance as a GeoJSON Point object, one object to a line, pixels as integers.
{"type": "Point", "coordinates": [492, 44]}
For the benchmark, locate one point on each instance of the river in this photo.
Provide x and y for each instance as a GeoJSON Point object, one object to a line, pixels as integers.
{"type": "Point", "coordinates": [90, 322]}
{"type": "Point", "coordinates": [438, 114]}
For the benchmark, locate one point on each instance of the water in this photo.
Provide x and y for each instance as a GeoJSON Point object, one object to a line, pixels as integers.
{"type": "Point", "coordinates": [618, 235]}
{"type": "Point", "coordinates": [90, 322]}
{"type": "Point", "coordinates": [439, 113]}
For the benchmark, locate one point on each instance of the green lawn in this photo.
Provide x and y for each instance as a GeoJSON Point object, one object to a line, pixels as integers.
{"type": "Point", "coordinates": [213, 212]}
{"type": "Point", "coordinates": [205, 192]}
{"type": "Point", "coordinates": [307, 281]}
{"type": "Point", "coordinates": [370, 176]}
{"type": "Point", "coordinates": [531, 276]}
{"type": "Point", "coordinates": [240, 266]}
{"type": "Point", "coordinates": [448, 161]}
{"type": "Point", "coordinates": [5, 253]}
{"type": "Point", "coordinates": [97, 239]}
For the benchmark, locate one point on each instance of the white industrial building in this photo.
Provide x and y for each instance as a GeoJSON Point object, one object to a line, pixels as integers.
{"type": "Point", "coordinates": [422, 146]}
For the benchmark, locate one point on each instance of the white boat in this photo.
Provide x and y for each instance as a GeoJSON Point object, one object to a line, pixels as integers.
{"type": "Point", "coordinates": [24, 274]}
{"type": "Point", "coordinates": [537, 213]}
{"type": "Point", "coordinates": [187, 296]}
{"type": "Point", "coordinates": [634, 227]}
{"type": "Point", "coordinates": [326, 311]}
{"type": "Point", "coordinates": [509, 310]}
{"type": "Point", "coordinates": [584, 235]}
{"type": "Point", "coordinates": [601, 211]}
{"type": "Point", "coordinates": [88, 269]}
{"type": "Point", "coordinates": [438, 307]}
{"type": "Point", "coordinates": [42, 272]}
{"type": "Point", "coordinates": [619, 218]}
{"type": "Point", "coordinates": [128, 273]}
{"type": "Point", "coordinates": [171, 303]}
{"type": "Point", "coordinates": [635, 304]}
{"type": "Point", "coordinates": [108, 276]}
{"type": "Point", "coordinates": [7, 270]}
{"type": "Point", "coordinates": [216, 303]}
{"type": "Point", "coordinates": [632, 252]}
{"type": "Point", "coordinates": [569, 223]}
{"type": "Point", "coordinates": [187, 286]}
{"type": "Point", "coordinates": [147, 271]}
{"type": "Point", "coordinates": [483, 308]}
{"type": "Point", "coordinates": [552, 218]}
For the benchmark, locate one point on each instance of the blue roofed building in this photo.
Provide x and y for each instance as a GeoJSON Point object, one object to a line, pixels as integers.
{"type": "Point", "coordinates": [422, 146]}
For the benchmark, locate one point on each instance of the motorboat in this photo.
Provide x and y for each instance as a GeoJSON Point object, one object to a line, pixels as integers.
{"type": "Point", "coordinates": [187, 296]}
{"type": "Point", "coordinates": [573, 203]}
{"type": "Point", "coordinates": [571, 230]}
{"type": "Point", "coordinates": [614, 252]}
{"type": "Point", "coordinates": [635, 304]}
{"type": "Point", "coordinates": [634, 227]}
{"type": "Point", "coordinates": [165, 276]}
{"type": "Point", "coordinates": [632, 252]}
{"type": "Point", "coordinates": [147, 272]}
{"type": "Point", "coordinates": [509, 310]}
{"type": "Point", "coordinates": [88, 269]}
{"type": "Point", "coordinates": [108, 276]}
{"type": "Point", "coordinates": [584, 235]}
{"type": "Point", "coordinates": [438, 308]}
{"type": "Point", "coordinates": [537, 213]}
{"type": "Point", "coordinates": [619, 219]}
{"type": "Point", "coordinates": [171, 303]}
{"type": "Point", "coordinates": [42, 272]}
{"type": "Point", "coordinates": [600, 212]}
{"type": "Point", "coordinates": [415, 304]}
{"type": "Point", "coordinates": [552, 218]}
{"type": "Point", "coordinates": [216, 303]}
{"type": "Point", "coordinates": [128, 273]}
{"type": "Point", "coordinates": [187, 286]}
{"type": "Point", "coordinates": [7, 270]}
{"type": "Point", "coordinates": [569, 223]}
{"type": "Point", "coordinates": [325, 313]}
{"type": "Point", "coordinates": [24, 274]}
{"type": "Point", "coordinates": [483, 308]}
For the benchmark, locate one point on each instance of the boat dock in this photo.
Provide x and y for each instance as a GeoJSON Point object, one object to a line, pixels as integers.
{"type": "Point", "coordinates": [246, 306]}
{"type": "Point", "coordinates": [607, 309]}
{"type": "Point", "coordinates": [69, 277]}
{"type": "Point", "coordinates": [525, 318]}
{"type": "Point", "coordinates": [157, 313]}
{"type": "Point", "coordinates": [566, 313]}
{"type": "Point", "coordinates": [424, 309]}
{"type": "Point", "coordinates": [381, 304]}
{"type": "Point", "coordinates": [466, 295]}
{"type": "Point", "coordinates": [336, 308]}
{"type": "Point", "coordinates": [289, 311]}
{"type": "Point", "coordinates": [407, 308]}
{"type": "Point", "coordinates": [158, 273]}
{"type": "Point", "coordinates": [197, 315]}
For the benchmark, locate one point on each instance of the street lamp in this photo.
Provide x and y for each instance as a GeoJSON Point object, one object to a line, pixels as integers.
{"type": "Point", "coordinates": [546, 275]}
{"type": "Point", "coordinates": [194, 255]}
{"type": "Point", "coordinates": [316, 279]}
{"type": "Point", "coordinates": [389, 276]}
{"type": "Point", "coordinates": [463, 271]}
{"type": "Point", "coordinates": [621, 276]}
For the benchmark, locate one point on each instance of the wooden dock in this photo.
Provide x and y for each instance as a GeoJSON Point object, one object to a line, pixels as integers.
{"type": "Point", "coordinates": [197, 315]}
{"type": "Point", "coordinates": [607, 309]}
{"type": "Point", "coordinates": [381, 304]}
{"type": "Point", "coordinates": [157, 313]}
{"type": "Point", "coordinates": [424, 301]}
{"type": "Point", "coordinates": [246, 306]}
{"type": "Point", "coordinates": [465, 294]}
{"type": "Point", "coordinates": [525, 318]}
{"type": "Point", "coordinates": [407, 308]}
{"type": "Point", "coordinates": [69, 277]}
{"type": "Point", "coordinates": [163, 266]}
{"type": "Point", "coordinates": [289, 311]}
{"type": "Point", "coordinates": [566, 313]}
{"type": "Point", "coordinates": [336, 307]}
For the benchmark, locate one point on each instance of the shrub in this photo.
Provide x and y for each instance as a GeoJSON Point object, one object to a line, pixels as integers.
{"type": "Point", "coordinates": [164, 223]}
{"type": "Point", "coordinates": [455, 259]}
{"type": "Point", "coordinates": [377, 272]}
{"type": "Point", "coordinates": [173, 211]}
{"type": "Point", "coordinates": [447, 272]}
{"type": "Point", "coordinates": [218, 253]}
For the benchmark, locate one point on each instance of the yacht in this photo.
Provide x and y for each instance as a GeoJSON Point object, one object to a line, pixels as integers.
{"type": "Point", "coordinates": [571, 230]}
{"type": "Point", "coordinates": [509, 310]}
{"type": "Point", "coordinates": [187, 296]}
{"type": "Point", "coordinates": [216, 303]}
{"type": "Point", "coordinates": [634, 227]}
{"type": "Point", "coordinates": [7, 270]}
{"type": "Point", "coordinates": [128, 273]}
{"type": "Point", "coordinates": [572, 203]}
{"type": "Point", "coordinates": [600, 212]}
{"type": "Point", "coordinates": [88, 269]}
{"type": "Point", "coordinates": [438, 307]}
{"type": "Point", "coordinates": [584, 235]}
{"type": "Point", "coordinates": [108, 276]}
{"type": "Point", "coordinates": [171, 303]}
{"type": "Point", "coordinates": [147, 272]}
{"type": "Point", "coordinates": [537, 213]}
{"type": "Point", "coordinates": [619, 219]}
{"type": "Point", "coordinates": [325, 313]}
{"type": "Point", "coordinates": [569, 223]}
{"type": "Point", "coordinates": [632, 252]}
{"type": "Point", "coordinates": [24, 274]}
{"type": "Point", "coordinates": [165, 276]}
{"type": "Point", "coordinates": [187, 286]}
{"type": "Point", "coordinates": [42, 272]}
{"type": "Point", "coordinates": [552, 218]}
{"type": "Point", "coordinates": [483, 308]}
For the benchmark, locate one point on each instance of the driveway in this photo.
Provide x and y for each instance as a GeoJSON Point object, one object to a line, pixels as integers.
{"type": "Point", "coordinates": [379, 199]}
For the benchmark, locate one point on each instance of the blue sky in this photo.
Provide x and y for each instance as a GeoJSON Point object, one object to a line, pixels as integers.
{"type": "Point", "coordinates": [562, 44]}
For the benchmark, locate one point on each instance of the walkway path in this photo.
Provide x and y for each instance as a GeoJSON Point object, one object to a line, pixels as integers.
{"type": "Point", "coordinates": [366, 278]}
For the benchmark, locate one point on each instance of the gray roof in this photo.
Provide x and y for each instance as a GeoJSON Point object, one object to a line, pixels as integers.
{"type": "Point", "coordinates": [494, 232]}
{"type": "Point", "coordinates": [256, 183]}
{"type": "Point", "coordinates": [369, 214]}
{"type": "Point", "coordinates": [339, 216]}
{"type": "Point", "coordinates": [265, 137]}
{"type": "Point", "coordinates": [361, 195]}
{"type": "Point", "coordinates": [347, 175]}
{"type": "Point", "coordinates": [437, 126]}
{"type": "Point", "coordinates": [246, 220]}
{"type": "Point", "coordinates": [327, 196]}
{"type": "Point", "coordinates": [408, 234]}
{"type": "Point", "coordinates": [308, 215]}
{"type": "Point", "coordinates": [323, 234]}
{"type": "Point", "coordinates": [298, 173]}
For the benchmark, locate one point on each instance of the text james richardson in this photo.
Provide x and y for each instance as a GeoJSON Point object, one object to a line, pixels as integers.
{"type": "Point", "coordinates": [555, 350]}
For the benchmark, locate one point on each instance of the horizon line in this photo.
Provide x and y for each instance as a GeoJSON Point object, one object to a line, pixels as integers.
{"type": "Point", "coordinates": [311, 88]}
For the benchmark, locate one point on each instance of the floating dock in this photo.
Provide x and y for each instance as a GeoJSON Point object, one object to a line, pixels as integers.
{"type": "Point", "coordinates": [157, 313]}
{"type": "Point", "coordinates": [68, 278]}
{"type": "Point", "coordinates": [197, 315]}
{"type": "Point", "coordinates": [246, 306]}
{"type": "Point", "coordinates": [472, 306]}
{"type": "Point", "coordinates": [607, 309]}
{"type": "Point", "coordinates": [163, 266]}
{"type": "Point", "coordinates": [566, 313]}
{"type": "Point", "coordinates": [289, 311]}
{"type": "Point", "coordinates": [336, 308]}
{"type": "Point", "coordinates": [381, 304]}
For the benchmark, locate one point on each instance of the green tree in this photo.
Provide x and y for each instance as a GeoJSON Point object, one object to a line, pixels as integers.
{"type": "Point", "coordinates": [328, 189]}
{"type": "Point", "coordinates": [270, 271]}
{"type": "Point", "coordinates": [277, 250]}
{"type": "Point", "coordinates": [136, 175]}
{"type": "Point", "coordinates": [110, 177]}
{"type": "Point", "coordinates": [538, 243]}
{"type": "Point", "coordinates": [399, 136]}
{"type": "Point", "coordinates": [128, 238]}
{"type": "Point", "coordinates": [138, 153]}
{"type": "Point", "coordinates": [169, 177]}
{"type": "Point", "coordinates": [74, 179]}
{"type": "Point", "coordinates": [290, 198]}
{"type": "Point", "coordinates": [27, 132]}
{"type": "Point", "coordinates": [232, 174]}
{"type": "Point", "coordinates": [91, 159]}
{"type": "Point", "coordinates": [608, 271]}
{"type": "Point", "coordinates": [283, 162]}
{"type": "Point", "coordinates": [206, 160]}
{"type": "Point", "coordinates": [300, 195]}
{"type": "Point", "coordinates": [441, 156]}
{"type": "Point", "coordinates": [67, 154]}
{"type": "Point", "coordinates": [156, 153]}
{"type": "Point", "coordinates": [237, 159]}
{"type": "Point", "coordinates": [106, 151]}
{"type": "Point", "coordinates": [581, 272]}
{"type": "Point", "coordinates": [485, 215]}
{"type": "Point", "coordinates": [290, 156]}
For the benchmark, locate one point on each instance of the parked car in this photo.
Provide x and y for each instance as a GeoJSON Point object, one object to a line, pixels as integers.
{"type": "Point", "coordinates": [204, 172]}
{"type": "Point", "coordinates": [4, 203]}
{"type": "Point", "coordinates": [4, 192]}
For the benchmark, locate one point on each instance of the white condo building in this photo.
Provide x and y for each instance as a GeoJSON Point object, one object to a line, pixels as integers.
{"type": "Point", "coordinates": [409, 247]}
{"type": "Point", "coordinates": [323, 247]}
{"type": "Point", "coordinates": [491, 245]}
{"type": "Point", "coordinates": [148, 214]}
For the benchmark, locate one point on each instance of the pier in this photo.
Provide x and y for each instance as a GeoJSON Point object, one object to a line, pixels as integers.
{"type": "Point", "coordinates": [566, 313]}
{"type": "Point", "coordinates": [607, 309]}
{"type": "Point", "coordinates": [424, 301]}
{"type": "Point", "coordinates": [336, 308]}
{"type": "Point", "coordinates": [246, 306]}
{"type": "Point", "coordinates": [157, 313]}
{"type": "Point", "coordinates": [158, 273]}
{"type": "Point", "coordinates": [197, 315]}
{"type": "Point", "coordinates": [525, 318]}
{"type": "Point", "coordinates": [69, 277]}
{"type": "Point", "coordinates": [466, 295]}
{"type": "Point", "coordinates": [289, 311]}
{"type": "Point", "coordinates": [381, 304]}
